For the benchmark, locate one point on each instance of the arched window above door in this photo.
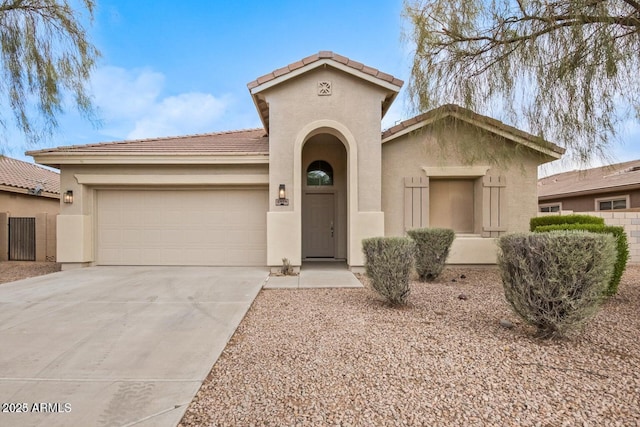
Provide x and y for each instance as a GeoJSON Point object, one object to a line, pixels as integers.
{"type": "Point", "coordinates": [319, 173]}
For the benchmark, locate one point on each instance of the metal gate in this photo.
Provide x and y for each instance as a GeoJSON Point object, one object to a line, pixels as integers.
{"type": "Point", "coordinates": [22, 239]}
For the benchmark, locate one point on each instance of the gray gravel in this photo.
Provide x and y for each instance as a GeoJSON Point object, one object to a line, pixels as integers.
{"type": "Point", "coordinates": [342, 357]}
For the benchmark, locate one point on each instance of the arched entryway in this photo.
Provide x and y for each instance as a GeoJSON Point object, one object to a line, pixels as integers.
{"type": "Point", "coordinates": [324, 198]}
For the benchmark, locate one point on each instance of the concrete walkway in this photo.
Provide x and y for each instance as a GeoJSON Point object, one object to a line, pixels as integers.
{"type": "Point", "coordinates": [116, 346]}
{"type": "Point", "coordinates": [317, 274]}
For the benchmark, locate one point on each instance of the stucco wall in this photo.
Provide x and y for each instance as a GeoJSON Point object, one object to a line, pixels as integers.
{"type": "Point", "coordinates": [353, 103]}
{"type": "Point", "coordinates": [25, 205]}
{"type": "Point", "coordinates": [352, 113]}
{"type": "Point", "coordinates": [408, 155]}
{"type": "Point", "coordinates": [44, 209]}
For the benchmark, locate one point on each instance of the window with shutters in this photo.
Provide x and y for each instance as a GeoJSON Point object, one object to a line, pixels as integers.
{"type": "Point", "coordinates": [474, 205]}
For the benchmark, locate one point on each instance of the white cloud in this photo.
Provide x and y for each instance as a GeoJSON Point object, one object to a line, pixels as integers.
{"type": "Point", "coordinates": [187, 113]}
{"type": "Point", "coordinates": [125, 94]}
{"type": "Point", "coordinates": [131, 105]}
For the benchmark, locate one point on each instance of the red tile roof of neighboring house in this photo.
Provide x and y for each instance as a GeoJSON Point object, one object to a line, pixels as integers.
{"type": "Point", "coordinates": [250, 141]}
{"type": "Point", "coordinates": [452, 110]}
{"type": "Point", "coordinates": [595, 180]}
{"type": "Point", "coordinates": [27, 176]}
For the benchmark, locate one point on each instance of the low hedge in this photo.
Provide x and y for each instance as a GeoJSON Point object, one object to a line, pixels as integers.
{"type": "Point", "coordinates": [622, 248]}
{"type": "Point", "coordinates": [563, 219]}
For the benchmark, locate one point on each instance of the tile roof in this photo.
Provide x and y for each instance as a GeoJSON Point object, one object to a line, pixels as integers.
{"type": "Point", "coordinates": [27, 176]}
{"type": "Point", "coordinates": [465, 113]}
{"type": "Point", "coordinates": [600, 179]}
{"type": "Point", "coordinates": [325, 54]}
{"type": "Point", "coordinates": [249, 141]}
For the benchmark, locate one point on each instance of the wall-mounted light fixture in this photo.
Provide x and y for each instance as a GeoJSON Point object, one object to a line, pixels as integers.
{"type": "Point", "coordinates": [68, 197]}
{"type": "Point", "coordinates": [282, 196]}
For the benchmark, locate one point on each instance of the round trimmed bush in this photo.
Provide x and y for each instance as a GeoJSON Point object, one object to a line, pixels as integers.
{"type": "Point", "coordinates": [555, 280]}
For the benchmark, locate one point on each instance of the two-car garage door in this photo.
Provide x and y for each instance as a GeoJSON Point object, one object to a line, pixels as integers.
{"type": "Point", "coordinates": [182, 227]}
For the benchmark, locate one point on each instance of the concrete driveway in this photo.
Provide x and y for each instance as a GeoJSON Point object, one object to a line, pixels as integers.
{"type": "Point", "coordinates": [115, 346]}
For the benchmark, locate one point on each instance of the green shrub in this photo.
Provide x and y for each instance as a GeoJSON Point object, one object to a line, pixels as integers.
{"type": "Point", "coordinates": [555, 280]}
{"type": "Point", "coordinates": [563, 219]}
{"type": "Point", "coordinates": [622, 247]}
{"type": "Point", "coordinates": [433, 246]}
{"type": "Point", "coordinates": [388, 263]}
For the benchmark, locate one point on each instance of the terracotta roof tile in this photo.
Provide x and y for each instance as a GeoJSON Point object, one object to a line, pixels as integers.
{"type": "Point", "coordinates": [19, 174]}
{"type": "Point", "coordinates": [326, 54]}
{"type": "Point", "coordinates": [281, 71]}
{"type": "Point", "coordinates": [265, 78]}
{"type": "Point", "coordinates": [384, 76]}
{"type": "Point", "coordinates": [341, 59]}
{"type": "Point", "coordinates": [311, 58]}
{"type": "Point", "coordinates": [251, 141]}
{"type": "Point", "coordinates": [295, 65]}
{"type": "Point", "coordinates": [370, 70]}
{"type": "Point", "coordinates": [605, 178]}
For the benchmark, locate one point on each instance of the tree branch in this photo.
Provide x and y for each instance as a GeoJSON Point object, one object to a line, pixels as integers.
{"type": "Point", "coordinates": [633, 4]}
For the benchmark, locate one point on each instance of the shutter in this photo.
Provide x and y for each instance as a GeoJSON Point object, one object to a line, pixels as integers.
{"type": "Point", "coordinates": [494, 206]}
{"type": "Point", "coordinates": [416, 202]}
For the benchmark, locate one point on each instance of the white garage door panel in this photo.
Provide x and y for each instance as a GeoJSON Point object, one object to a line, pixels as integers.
{"type": "Point", "coordinates": [182, 227]}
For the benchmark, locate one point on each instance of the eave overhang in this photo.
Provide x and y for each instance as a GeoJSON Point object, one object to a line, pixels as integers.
{"type": "Point", "coordinates": [591, 191]}
{"type": "Point", "coordinates": [79, 158]}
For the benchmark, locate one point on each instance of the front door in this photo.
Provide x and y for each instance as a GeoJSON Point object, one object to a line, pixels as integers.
{"type": "Point", "coordinates": [318, 228]}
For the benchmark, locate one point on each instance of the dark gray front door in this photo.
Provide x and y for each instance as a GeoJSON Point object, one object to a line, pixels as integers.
{"type": "Point", "coordinates": [318, 228]}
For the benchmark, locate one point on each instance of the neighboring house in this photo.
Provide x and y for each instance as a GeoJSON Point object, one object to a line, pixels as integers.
{"type": "Point", "coordinates": [606, 188]}
{"type": "Point", "coordinates": [29, 203]}
{"type": "Point", "coordinates": [316, 180]}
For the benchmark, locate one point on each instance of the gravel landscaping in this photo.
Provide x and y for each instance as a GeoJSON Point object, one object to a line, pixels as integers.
{"type": "Point", "coordinates": [342, 357]}
{"type": "Point", "coordinates": [17, 270]}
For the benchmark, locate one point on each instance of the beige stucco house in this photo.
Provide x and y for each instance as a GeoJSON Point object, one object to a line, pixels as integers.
{"type": "Point", "coordinates": [29, 204]}
{"type": "Point", "coordinates": [316, 180]}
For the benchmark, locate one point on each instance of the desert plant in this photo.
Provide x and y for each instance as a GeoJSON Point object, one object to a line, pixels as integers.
{"type": "Point", "coordinates": [555, 280]}
{"type": "Point", "coordinates": [433, 246]}
{"type": "Point", "coordinates": [563, 219]}
{"type": "Point", "coordinates": [622, 248]}
{"type": "Point", "coordinates": [286, 268]}
{"type": "Point", "coordinates": [388, 263]}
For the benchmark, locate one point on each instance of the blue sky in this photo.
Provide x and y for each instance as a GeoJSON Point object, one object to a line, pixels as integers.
{"type": "Point", "coordinates": [173, 68]}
